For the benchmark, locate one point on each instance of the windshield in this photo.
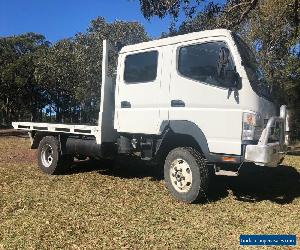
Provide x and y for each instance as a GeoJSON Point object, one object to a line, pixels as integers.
{"type": "Point", "coordinates": [254, 71]}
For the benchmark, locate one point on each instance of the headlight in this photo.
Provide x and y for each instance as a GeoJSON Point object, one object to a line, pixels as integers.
{"type": "Point", "coordinates": [252, 126]}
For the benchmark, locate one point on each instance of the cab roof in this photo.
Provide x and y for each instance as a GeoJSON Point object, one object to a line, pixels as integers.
{"type": "Point", "coordinates": [175, 39]}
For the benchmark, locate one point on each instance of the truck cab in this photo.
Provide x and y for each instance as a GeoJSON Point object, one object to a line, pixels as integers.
{"type": "Point", "coordinates": [207, 85]}
{"type": "Point", "coordinates": [194, 102]}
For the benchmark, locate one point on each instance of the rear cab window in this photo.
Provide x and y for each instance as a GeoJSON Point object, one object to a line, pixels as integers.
{"type": "Point", "coordinates": [141, 67]}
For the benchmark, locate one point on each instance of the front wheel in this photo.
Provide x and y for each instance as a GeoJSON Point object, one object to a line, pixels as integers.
{"type": "Point", "coordinates": [186, 174]}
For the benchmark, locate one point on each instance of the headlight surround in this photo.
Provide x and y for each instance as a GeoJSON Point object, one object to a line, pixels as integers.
{"type": "Point", "coordinates": [252, 126]}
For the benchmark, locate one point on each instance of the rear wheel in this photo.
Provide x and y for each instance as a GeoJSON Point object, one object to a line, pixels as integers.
{"type": "Point", "coordinates": [186, 174]}
{"type": "Point", "coordinates": [50, 160]}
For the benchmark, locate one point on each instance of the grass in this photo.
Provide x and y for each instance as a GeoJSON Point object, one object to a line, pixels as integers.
{"type": "Point", "coordinates": [128, 206]}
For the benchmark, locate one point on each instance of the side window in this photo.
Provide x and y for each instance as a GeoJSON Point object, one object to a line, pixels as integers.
{"type": "Point", "coordinates": [141, 67]}
{"type": "Point", "coordinates": [210, 63]}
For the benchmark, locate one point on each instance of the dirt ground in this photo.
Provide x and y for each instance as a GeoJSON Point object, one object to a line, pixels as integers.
{"type": "Point", "coordinates": [125, 205]}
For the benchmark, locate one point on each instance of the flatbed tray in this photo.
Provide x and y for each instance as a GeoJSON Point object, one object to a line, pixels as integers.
{"type": "Point", "coordinates": [57, 128]}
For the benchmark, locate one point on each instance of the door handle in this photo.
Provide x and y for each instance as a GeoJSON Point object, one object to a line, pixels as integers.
{"type": "Point", "coordinates": [125, 104]}
{"type": "Point", "coordinates": [177, 103]}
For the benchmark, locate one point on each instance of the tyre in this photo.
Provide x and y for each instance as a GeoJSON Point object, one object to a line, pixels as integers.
{"type": "Point", "coordinates": [50, 160]}
{"type": "Point", "coordinates": [186, 174]}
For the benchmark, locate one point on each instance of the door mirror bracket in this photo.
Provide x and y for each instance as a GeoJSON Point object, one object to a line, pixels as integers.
{"type": "Point", "coordinates": [233, 80]}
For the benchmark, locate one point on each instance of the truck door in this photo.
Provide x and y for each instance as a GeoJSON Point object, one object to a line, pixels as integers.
{"type": "Point", "coordinates": [200, 94]}
{"type": "Point", "coordinates": [138, 95]}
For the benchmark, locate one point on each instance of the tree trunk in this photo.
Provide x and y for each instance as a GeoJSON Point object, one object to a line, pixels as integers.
{"type": "Point", "coordinates": [7, 115]}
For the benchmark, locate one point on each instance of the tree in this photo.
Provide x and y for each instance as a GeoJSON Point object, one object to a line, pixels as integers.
{"type": "Point", "coordinates": [277, 46]}
{"type": "Point", "coordinates": [57, 74]}
{"type": "Point", "coordinates": [19, 94]}
{"type": "Point", "coordinates": [234, 11]}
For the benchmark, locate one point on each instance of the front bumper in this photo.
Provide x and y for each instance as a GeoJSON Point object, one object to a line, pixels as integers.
{"type": "Point", "coordinates": [267, 153]}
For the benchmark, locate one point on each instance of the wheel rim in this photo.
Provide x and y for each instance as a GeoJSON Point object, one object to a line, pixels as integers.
{"type": "Point", "coordinates": [181, 175]}
{"type": "Point", "coordinates": [47, 155]}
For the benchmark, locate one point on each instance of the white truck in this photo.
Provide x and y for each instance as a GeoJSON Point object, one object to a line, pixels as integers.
{"type": "Point", "coordinates": [195, 102]}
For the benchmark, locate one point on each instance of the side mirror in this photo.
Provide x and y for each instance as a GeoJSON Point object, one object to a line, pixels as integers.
{"type": "Point", "coordinates": [233, 79]}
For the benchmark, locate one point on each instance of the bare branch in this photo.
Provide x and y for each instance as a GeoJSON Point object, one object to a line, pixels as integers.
{"type": "Point", "coordinates": [251, 6]}
{"type": "Point", "coordinates": [236, 6]}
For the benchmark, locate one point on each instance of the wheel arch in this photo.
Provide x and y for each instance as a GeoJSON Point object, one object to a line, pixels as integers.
{"type": "Point", "coordinates": [37, 136]}
{"type": "Point", "coordinates": [182, 133]}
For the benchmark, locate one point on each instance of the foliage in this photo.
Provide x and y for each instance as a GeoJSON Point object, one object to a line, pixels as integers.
{"type": "Point", "coordinates": [39, 80]}
{"type": "Point", "coordinates": [277, 46]}
{"type": "Point", "coordinates": [151, 8]}
{"type": "Point", "coordinates": [20, 94]}
{"type": "Point", "coordinates": [56, 73]}
{"type": "Point", "coordinates": [235, 11]}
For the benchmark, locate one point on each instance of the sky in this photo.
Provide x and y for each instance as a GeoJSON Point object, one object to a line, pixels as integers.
{"type": "Point", "coordinates": [57, 19]}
